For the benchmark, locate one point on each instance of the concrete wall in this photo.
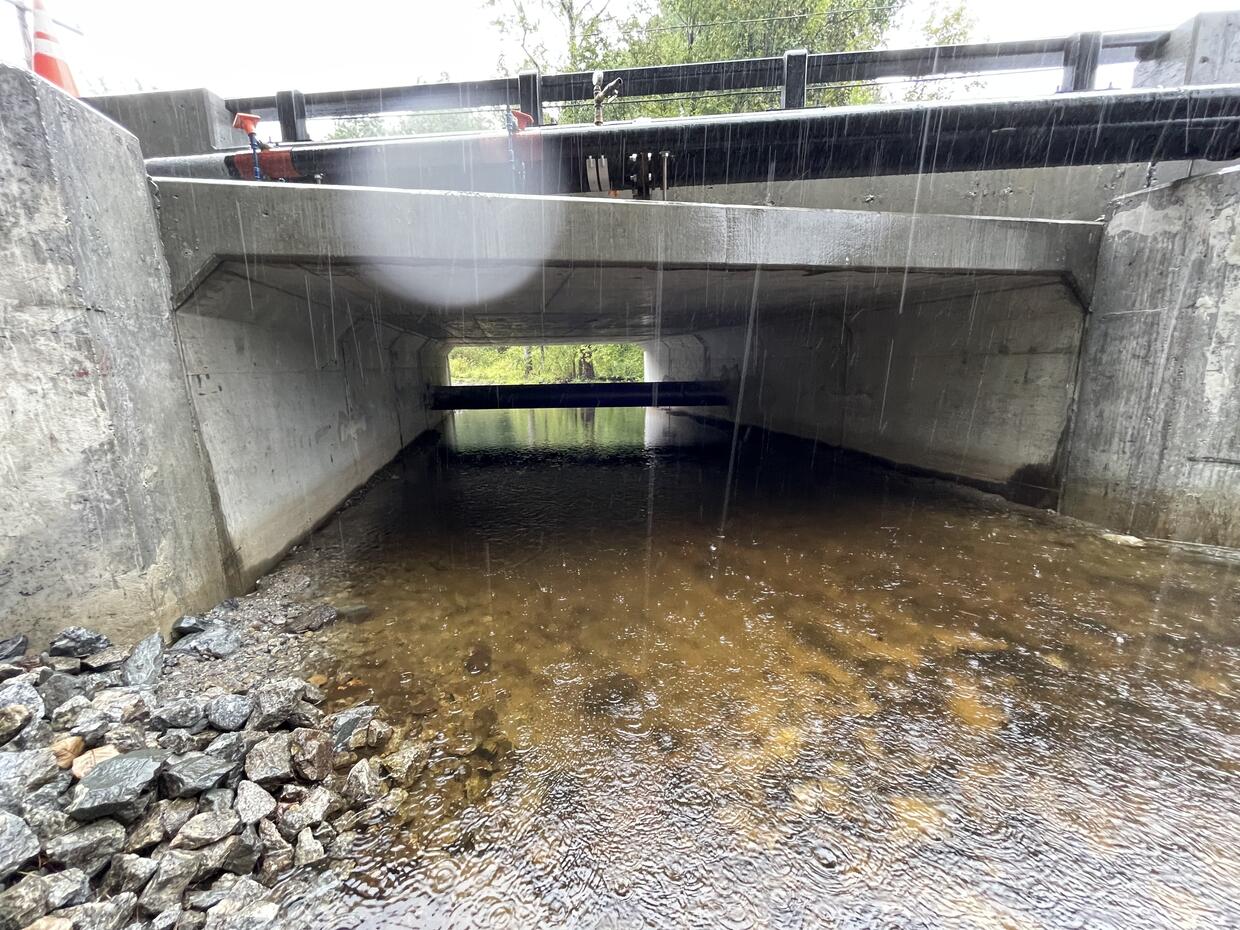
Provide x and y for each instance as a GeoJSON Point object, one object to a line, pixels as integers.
{"type": "Point", "coordinates": [106, 514]}
{"type": "Point", "coordinates": [1156, 444]}
{"type": "Point", "coordinates": [300, 400]}
{"type": "Point", "coordinates": [173, 122]}
{"type": "Point", "coordinates": [977, 387]}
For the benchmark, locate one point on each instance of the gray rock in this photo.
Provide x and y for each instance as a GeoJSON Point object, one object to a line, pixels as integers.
{"type": "Point", "coordinates": [126, 737]}
{"type": "Point", "coordinates": [13, 719]}
{"type": "Point", "coordinates": [123, 705]}
{"type": "Point", "coordinates": [178, 742]}
{"type": "Point", "coordinates": [205, 829]}
{"type": "Point", "coordinates": [194, 773]}
{"type": "Point", "coordinates": [67, 714]}
{"type": "Point", "coordinates": [78, 642]}
{"type": "Point", "coordinates": [184, 713]}
{"type": "Point", "coordinates": [188, 625]}
{"type": "Point", "coordinates": [229, 711]}
{"type": "Point", "coordinates": [407, 763]}
{"type": "Point", "coordinates": [13, 692]}
{"type": "Point", "coordinates": [253, 802]}
{"type": "Point", "coordinates": [117, 787]}
{"type": "Point", "coordinates": [313, 619]}
{"type": "Point", "coordinates": [216, 800]}
{"type": "Point", "coordinates": [13, 647]}
{"type": "Point", "coordinates": [312, 754]}
{"type": "Point", "coordinates": [163, 820]}
{"type": "Point", "coordinates": [343, 724]}
{"type": "Point", "coordinates": [237, 854]}
{"type": "Point", "coordinates": [88, 848]}
{"type": "Point", "coordinates": [48, 822]}
{"type": "Point", "coordinates": [305, 715]}
{"type": "Point", "coordinates": [363, 783]}
{"type": "Point", "coordinates": [103, 915]}
{"type": "Point", "coordinates": [107, 659]}
{"type": "Point", "coordinates": [215, 642]}
{"type": "Point", "coordinates": [177, 869]}
{"type": "Point", "coordinates": [59, 688]}
{"type": "Point", "coordinates": [274, 701]}
{"type": "Point", "coordinates": [67, 889]}
{"type": "Point", "coordinates": [277, 853]}
{"type": "Point", "coordinates": [317, 806]}
{"type": "Point", "coordinates": [22, 772]}
{"type": "Point", "coordinates": [309, 850]}
{"type": "Point", "coordinates": [66, 665]}
{"type": "Point", "coordinates": [235, 746]}
{"type": "Point", "coordinates": [270, 761]}
{"type": "Point", "coordinates": [17, 844]}
{"type": "Point", "coordinates": [128, 873]}
{"type": "Point", "coordinates": [143, 667]}
{"type": "Point", "coordinates": [24, 903]}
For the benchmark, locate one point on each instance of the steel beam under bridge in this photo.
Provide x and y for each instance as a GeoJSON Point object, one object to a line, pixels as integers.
{"type": "Point", "coordinates": [593, 394]}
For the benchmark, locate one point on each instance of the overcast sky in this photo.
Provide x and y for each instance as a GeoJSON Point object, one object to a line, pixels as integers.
{"type": "Point", "coordinates": [259, 47]}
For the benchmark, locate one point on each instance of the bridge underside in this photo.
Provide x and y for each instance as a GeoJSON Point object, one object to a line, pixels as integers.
{"type": "Point", "coordinates": [319, 319]}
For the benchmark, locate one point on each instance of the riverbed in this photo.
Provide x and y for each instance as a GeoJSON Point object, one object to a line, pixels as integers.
{"type": "Point", "coordinates": [713, 679]}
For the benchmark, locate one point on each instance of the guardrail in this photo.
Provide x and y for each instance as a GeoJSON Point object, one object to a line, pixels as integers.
{"type": "Point", "coordinates": [792, 74]}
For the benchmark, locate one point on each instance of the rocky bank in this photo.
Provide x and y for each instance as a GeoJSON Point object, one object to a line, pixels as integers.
{"type": "Point", "coordinates": [188, 782]}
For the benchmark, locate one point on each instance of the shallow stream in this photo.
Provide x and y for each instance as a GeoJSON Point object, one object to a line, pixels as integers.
{"type": "Point", "coordinates": [868, 701]}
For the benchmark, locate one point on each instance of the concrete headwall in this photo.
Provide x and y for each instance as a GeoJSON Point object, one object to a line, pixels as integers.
{"type": "Point", "coordinates": [106, 513]}
{"type": "Point", "coordinates": [1156, 444]}
{"type": "Point", "coordinates": [977, 386]}
{"type": "Point", "coordinates": [300, 401]}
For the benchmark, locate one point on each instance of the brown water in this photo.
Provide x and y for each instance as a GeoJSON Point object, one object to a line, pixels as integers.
{"type": "Point", "coordinates": [869, 703]}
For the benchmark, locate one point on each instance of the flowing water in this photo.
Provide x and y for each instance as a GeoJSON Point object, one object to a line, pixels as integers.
{"type": "Point", "coordinates": [868, 702]}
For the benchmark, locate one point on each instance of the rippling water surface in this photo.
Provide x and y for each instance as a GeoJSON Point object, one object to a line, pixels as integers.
{"type": "Point", "coordinates": [867, 703]}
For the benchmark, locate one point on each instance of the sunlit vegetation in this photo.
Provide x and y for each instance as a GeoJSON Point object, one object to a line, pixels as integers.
{"type": "Point", "coordinates": [547, 364]}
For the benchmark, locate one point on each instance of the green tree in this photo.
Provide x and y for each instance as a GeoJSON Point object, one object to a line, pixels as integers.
{"type": "Point", "coordinates": [545, 364]}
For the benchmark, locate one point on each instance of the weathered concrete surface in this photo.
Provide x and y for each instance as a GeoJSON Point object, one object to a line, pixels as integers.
{"type": "Point", "coordinates": [301, 396]}
{"type": "Point", "coordinates": [1156, 444]}
{"type": "Point", "coordinates": [1203, 50]}
{"type": "Point", "coordinates": [975, 385]}
{"type": "Point", "coordinates": [494, 267]}
{"type": "Point", "coordinates": [173, 122]}
{"type": "Point", "coordinates": [107, 518]}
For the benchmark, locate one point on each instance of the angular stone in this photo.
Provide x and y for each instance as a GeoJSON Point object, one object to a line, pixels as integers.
{"type": "Point", "coordinates": [163, 820]}
{"type": "Point", "coordinates": [103, 915]}
{"type": "Point", "coordinates": [274, 701]}
{"type": "Point", "coordinates": [277, 853]}
{"type": "Point", "coordinates": [13, 692]}
{"type": "Point", "coordinates": [85, 762]}
{"type": "Point", "coordinates": [126, 737]}
{"type": "Point", "coordinates": [215, 642]}
{"type": "Point", "coordinates": [123, 705]}
{"type": "Point", "coordinates": [194, 773]}
{"type": "Point", "coordinates": [308, 850]}
{"type": "Point", "coordinates": [205, 829]}
{"type": "Point", "coordinates": [345, 723]}
{"type": "Point", "coordinates": [406, 764]}
{"type": "Point", "coordinates": [22, 772]}
{"type": "Point", "coordinates": [188, 625]}
{"type": "Point", "coordinates": [143, 667]}
{"type": "Point", "coordinates": [59, 688]}
{"type": "Point", "coordinates": [378, 734]}
{"type": "Point", "coordinates": [78, 642]}
{"type": "Point", "coordinates": [313, 619]}
{"type": "Point", "coordinates": [13, 719]}
{"type": "Point", "coordinates": [88, 848]}
{"type": "Point", "coordinates": [128, 873]}
{"type": "Point", "coordinates": [318, 805]}
{"type": "Point", "coordinates": [177, 869]}
{"type": "Point", "coordinates": [17, 844]}
{"type": "Point", "coordinates": [216, 801]}
{"type": "Point", "coordinates": [237, 854]}
{"type": "Point", "coordinates": [235, 746]}
{"type": "Point", "coordinates": [67, 889]}
{"type": "Point", "coordinates": [363, 783]}
{"type": "Point", "coordinates": [253, 802]}
{"type": "Point", "coordinates": [13, 647]}
{"type": "Point", "coordinates": [107, 659]}
{"type": "Point", "coordinates": [67, 749]}
{"type": "Point", "coordinates": [23, 903]}
{"type": "Point", "coordinates": [312, 754]}
{"type": "Point", "coordinates": [184, 713]}
{"type": "Point", "coordinates": [305, 715]}
{"type": "Point", "coordinates": [64, 664]}
{"type": "Point", "coordinates": [270, 761]}
{"type": "Point", "coordinates": [229, 711]}
{"type": "Point", "coordinates": [51, 922]}
{"type": "Point", "coordinates": [116, 787]}
{"type": "Point", "coordinates": [68, 713]}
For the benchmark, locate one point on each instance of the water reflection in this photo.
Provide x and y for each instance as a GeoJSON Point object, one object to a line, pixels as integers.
{"type": "Point", "coordinates": [869, 704]}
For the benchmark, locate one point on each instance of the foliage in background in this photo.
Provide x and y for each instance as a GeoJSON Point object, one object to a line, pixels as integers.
{"type": "Point", "coordinates": [545, 364]}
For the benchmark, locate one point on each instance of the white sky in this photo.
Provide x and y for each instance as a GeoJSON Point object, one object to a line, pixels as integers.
{"type": "Point", "coordinates": [257, 47]}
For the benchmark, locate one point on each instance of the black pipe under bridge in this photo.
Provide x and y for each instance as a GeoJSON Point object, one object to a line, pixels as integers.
{"type": "Point", "coordinates": [580, 394]}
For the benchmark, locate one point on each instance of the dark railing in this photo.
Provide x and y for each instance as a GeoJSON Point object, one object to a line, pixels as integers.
{"type": "Point", "coordinates": [792, 74]}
